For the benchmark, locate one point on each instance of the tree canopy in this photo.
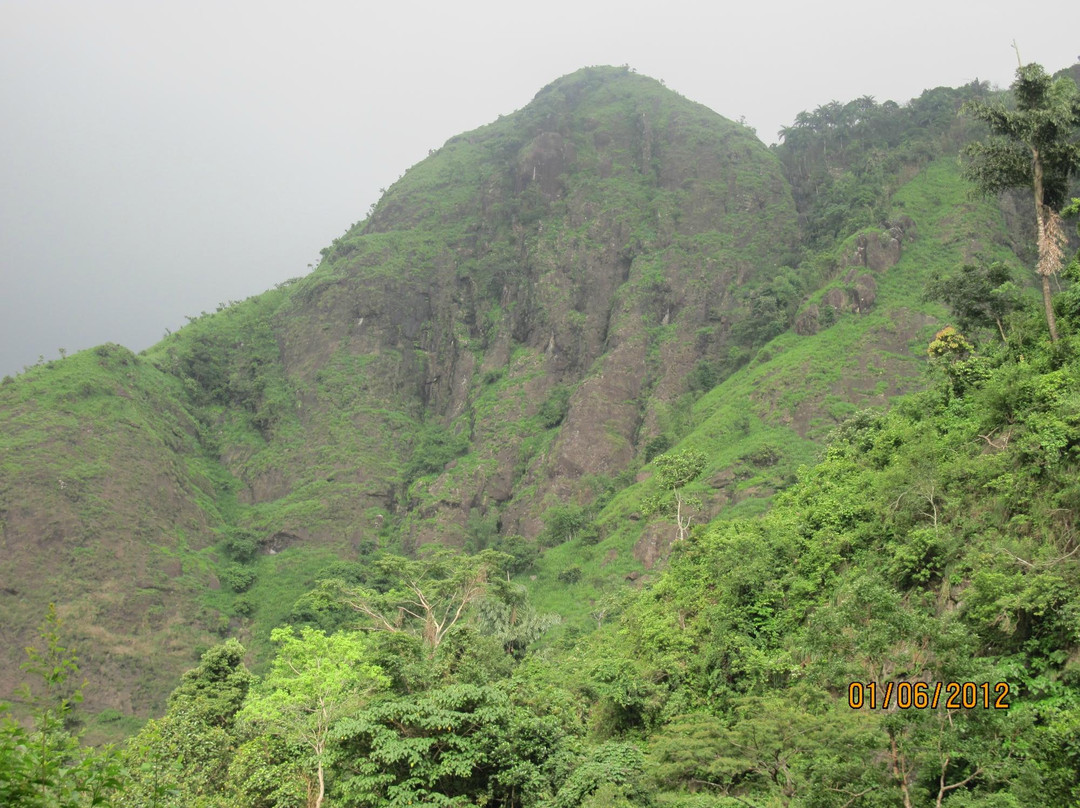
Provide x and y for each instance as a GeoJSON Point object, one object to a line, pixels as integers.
{"type": "Point", "coordinates": [426, 596]}
{"type": "Point", "coordinates": [1036, 145]}
{"type": "Point", "coordinates": [315, 680]}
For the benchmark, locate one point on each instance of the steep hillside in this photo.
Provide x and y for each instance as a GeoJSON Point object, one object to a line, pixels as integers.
{"type": "Point", "coordinates": [489, 359]}
{"type": "Point", "coordinates": [105, 491]}
{"type": "Point", "coordinates": [870, 331]}
{"type": "Point", "coordinates": [514, 316]}
{"type": "Point", "coordinates": [576, 258]}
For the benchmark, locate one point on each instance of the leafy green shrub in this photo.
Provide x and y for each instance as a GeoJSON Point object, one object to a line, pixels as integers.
{"type": "Point", "coordinates": [765, 455]}
{"type": "Point", "coordinates": [612, 764]}
{"type": "Point", "coordinates": [589, 534]}
{"type": "Point", "coordinates": [562, 522]}
{"type": "Point", "coordinates": [238, 578]}
{"type": "Point", "coordinates": [45, 764]}
{"type": "Point", "coordinates": [244, 606]}
{"type": "Point", "coordinates": [240, 545]}
{"type": "Point", "coordinates": [555, 406]}
{"type": "Point", "coordinates": [978, 296]}
{"type": "Point", "coordinates": [522, 552]}
{"type": "Point", "coordinates": [657, 445]}
{"type": "Point", "coordinates": [918, 559]}
{"type": "Point", "coordinates": [462, 744]}
{"type": "Point", "coordinates": [570, 575]}
{"type": "Point", "coordinates": [704, 377]}
{"type": "Point", "coordinates": [109, 715]}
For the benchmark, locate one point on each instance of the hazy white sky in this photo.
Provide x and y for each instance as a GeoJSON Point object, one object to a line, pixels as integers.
{"type": "Point", "coordinates": [157, 158]}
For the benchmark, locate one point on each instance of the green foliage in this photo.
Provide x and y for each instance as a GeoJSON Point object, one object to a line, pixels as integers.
{"type": "Point", "coordinates": [183, 757]}
{"type": "Point", "coordinates": [508, 616]}
{"type": "Point", "coordinates": [554, 408]}
{"type": "Point", "coordinates": [570, 575]}
{"type": "Point", "coordinates": [266, 772]}
{"type": "Point", "coordinates": [1043, 124]}
{"type": "Point", "coordinates": [844, 160]}
{"type": "Point", "coordinates": [767, 312]}
{"type": "Point", "coordinates": [703, 377]}
{"type": "Point", "coordinates": [238, 578]}
{"type": "Point", "coordinates": [677, 469]}
{"type": "Point", "coordinates": [314, 676]}
{"type": "Point", "coordinates": [611, 764]}
{"type": "Point", "coordinates": [314, 681]}
{"type": "Point", "coordinates": [1033, 146]}
{"type": "Point", "coordinates": [523, 553]}
{"type": "Point", "coordinates": [765, 455]}
{"type": "Point", "coordinates": [425, 597]}
{"type": "Point", "coordinates": [674, 471]}
{"type": "Point", "coordinates": [562, 523]}
{"type": "Point", "coordinates": [214, 691]}
{"type": "Point", "coordinates": [978, 296]}
{"type": "Point", "coordinates": [436, 445]}
{"type": "Point", "coordinates": [177, 760]}
{"type": "Point", "coordinates": [45, 765]}
{"type": "Point", "coordinates": [455, 745]}
{"type": "Point", "coordinates": [240, 545]}
{"type": "Point", "coordinates": [659, 444]}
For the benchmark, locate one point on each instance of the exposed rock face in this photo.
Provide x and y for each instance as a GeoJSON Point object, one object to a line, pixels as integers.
{"type": "Point", "coordinates": [865, 292]}
{"type": "Point", "coordinates": [529, 296]}
{"type": "Point", "coordinates": [544, 161]}
{"type": "Point", "coordinates": [877, 251]}
{"type": "Point", "coordinates": [806, 323]}
{"type": "Point", "coordinates": [836, 298]}
{"type": "Point", "coordinates": [566, 255]}
{"type": "Point", "coordinates": [880, 251]}
{"type": "Point", "coordinates": [654, 544]}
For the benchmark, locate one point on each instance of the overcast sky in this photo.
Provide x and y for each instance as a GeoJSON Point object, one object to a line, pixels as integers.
{"type": "Point", "coordinates": [157, 158]}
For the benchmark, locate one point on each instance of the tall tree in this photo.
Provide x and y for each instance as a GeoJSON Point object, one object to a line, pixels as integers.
{"type": "Point", "coordinates": [315, 680]}
{"type": "Point", "coordinates": [674, 471]}
{"type": "Point", "coordinates": [183, 757]}
{"type": "Point", "coordinates": [427, 596]}
{"type": "Point", "coordinates": [978, 295]}
{"type": "Point", "coordinates": [1035, 145]}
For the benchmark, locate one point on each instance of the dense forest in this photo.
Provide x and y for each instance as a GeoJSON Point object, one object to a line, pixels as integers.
{"type": "Point", "coordinates": [860, 595]}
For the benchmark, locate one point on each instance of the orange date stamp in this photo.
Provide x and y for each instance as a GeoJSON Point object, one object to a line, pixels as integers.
{"type": "Point", "coordinates": [928, 695]}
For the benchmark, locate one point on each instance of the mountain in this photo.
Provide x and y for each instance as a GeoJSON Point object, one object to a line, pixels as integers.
{"type": "Point", "coordinates": [521, 323]}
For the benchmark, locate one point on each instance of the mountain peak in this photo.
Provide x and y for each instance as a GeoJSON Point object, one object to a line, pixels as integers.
{"type": "Point", "coordinates": [520, 311]}
{"type": "Point", "coordinates": [599, 122]}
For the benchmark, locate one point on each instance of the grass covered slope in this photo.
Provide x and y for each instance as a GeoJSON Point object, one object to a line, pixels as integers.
{"type": "Point", "coordinates": [934, 543]}
{"type": "Point", "coordinates": [758, 426]}
{"type": "Point", "coordinates": [489, 359]}
{"type": "Point", "coordinates": [106, 502]}
{"type": "Point", "coordinates": [502, 324]}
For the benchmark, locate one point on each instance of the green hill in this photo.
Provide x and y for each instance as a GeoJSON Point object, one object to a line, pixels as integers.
{"type": "Point", "coordinates": [513, 316]}
{"type": "Point", "coordinates": [490, 359]}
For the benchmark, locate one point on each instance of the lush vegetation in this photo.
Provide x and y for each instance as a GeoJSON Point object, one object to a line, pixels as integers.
{"type": "Point", "coordinates": [932, 543]}
{"type": "Point", "coordinates": [818, 566]}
